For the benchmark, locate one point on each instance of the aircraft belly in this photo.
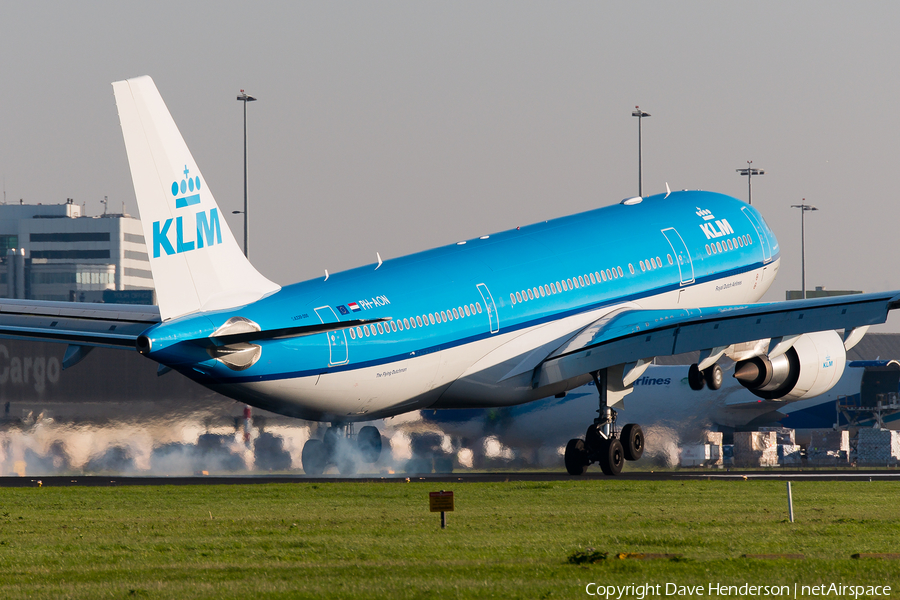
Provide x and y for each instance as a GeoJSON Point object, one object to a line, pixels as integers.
{"type": "Point", "coordinates": [351, 395]}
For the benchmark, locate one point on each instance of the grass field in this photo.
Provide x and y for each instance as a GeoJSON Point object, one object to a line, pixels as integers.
{"type": "Point", "coordinates": [378, 540]}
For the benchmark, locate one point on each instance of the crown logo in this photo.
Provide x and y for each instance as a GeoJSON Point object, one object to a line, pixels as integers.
{"type": "Point", "coordinates": [188, 184]}
{"type": "Point", "coordinates": [705, 213]}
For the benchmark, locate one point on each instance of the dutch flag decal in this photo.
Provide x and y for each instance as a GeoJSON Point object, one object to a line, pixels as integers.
{"type": "Point", "coordinates": [353, 306]}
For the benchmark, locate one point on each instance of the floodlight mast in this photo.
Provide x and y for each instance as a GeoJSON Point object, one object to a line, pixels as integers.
{"type": "Point", "coordinates": [803, 209]}
{"type": "Point", "coordinates": [245, 99]}
{"type": "Point", "coordinates": [640, 115]}
{"type": "Point", "coordinates": [750, 172]}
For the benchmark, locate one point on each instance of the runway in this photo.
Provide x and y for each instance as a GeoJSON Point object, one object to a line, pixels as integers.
{"type": "Point", "coordinates": [514, 476]}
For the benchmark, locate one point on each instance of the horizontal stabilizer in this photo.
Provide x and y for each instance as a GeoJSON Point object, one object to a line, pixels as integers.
{"type": "Point", "coordinates": [78, 323]}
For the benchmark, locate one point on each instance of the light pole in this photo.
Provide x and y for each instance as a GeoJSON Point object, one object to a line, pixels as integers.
{"type": "Point", "coordinates": [640, 115]}
{"type": "Point", "coordinates": [803, 208]}
{"type": "Point", "coordinates": [750, 172]}
{"type": "Point", "coordinates": [245, 99]}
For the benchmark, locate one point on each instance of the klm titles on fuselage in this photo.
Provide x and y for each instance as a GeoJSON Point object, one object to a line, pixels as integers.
{"type": "Point", "coordinates": [208, 230]}
{"type": "Point", "coordinates": [716, 229]}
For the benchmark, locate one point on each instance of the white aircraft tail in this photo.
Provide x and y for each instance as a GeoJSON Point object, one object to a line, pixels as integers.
{"type": "Point", "coordinates": [195, 260]}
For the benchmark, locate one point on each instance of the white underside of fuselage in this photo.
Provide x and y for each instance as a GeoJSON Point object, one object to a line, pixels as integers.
{"type": "Point", "coordinates": [490, 372]}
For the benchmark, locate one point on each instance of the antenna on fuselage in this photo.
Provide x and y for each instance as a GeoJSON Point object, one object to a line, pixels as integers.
{"type": "Point", "coordinates": [668, 191]}
{"type": "Point", "coordinates": [378, 256]}
{"type": "Point", "coordinates": [326, 275]}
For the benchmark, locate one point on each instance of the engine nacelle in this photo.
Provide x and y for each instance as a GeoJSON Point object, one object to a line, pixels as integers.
{"type": "Point", "coordinates": [812, 366]}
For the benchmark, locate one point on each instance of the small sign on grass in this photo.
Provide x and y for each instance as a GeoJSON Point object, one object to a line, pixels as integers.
{"type": "Point", "coordinates": [441, 502]}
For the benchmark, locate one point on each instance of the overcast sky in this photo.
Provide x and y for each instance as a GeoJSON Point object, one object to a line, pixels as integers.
{"type": "Point", "coordinates": [394, 126]}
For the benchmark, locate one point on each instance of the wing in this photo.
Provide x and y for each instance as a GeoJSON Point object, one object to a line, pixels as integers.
{"type": "Point", "coordinates": [79, 323]}
{"type": "Point", "coordinates": [632, 337]}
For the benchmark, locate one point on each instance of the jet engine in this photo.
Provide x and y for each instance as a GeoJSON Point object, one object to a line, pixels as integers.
{"type": "Point", "coordinates": [810, 367]}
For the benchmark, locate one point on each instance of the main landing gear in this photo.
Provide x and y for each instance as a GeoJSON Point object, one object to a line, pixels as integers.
{"type": "Point", "coordinates": [603, 442]}
{"type": "Point", "coordinates": [711, 376]}
{"type": "Point", "coordinates": [337, 448]}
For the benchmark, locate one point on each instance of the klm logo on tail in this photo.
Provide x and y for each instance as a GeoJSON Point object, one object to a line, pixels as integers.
{"type": "Point", "coordinates": [207, 227]}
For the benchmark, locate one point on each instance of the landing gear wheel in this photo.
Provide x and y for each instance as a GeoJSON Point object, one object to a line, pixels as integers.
{"type": "Point", "coordinates": [713, 377]}
{"type": "Point", "coordinates": [332, 438]}
{"type": "Point", "coordinates": [346, 466]}
{"type": "Point", "coordinates": [593, 437]}
{"type": "Point", "coordinates": [695, 377]}
{"type": "Point", "coordinates": [612, 456]}
{"type": "Point", "coordinates": [632, 437]}
{"type": "Point", "coordinates": [313, 457]}
{"type": "Point", "coordinates": [369, 442]}
{"type": "Point", "coordinates": [576, 457]}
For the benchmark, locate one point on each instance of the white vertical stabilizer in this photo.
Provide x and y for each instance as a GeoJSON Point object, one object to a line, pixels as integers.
{"type": "Point", "coordinates": [195, 260]}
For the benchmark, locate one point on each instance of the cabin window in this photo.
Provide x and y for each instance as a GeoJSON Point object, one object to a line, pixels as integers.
{"type": "Point", "coordinates": [455, 314]}
{"type": "Point", "coordinates": [478, 307]}
{"type": "Point", "coordinates": [366, 331]}
{"type": "Point", "coordinates": [466, 308]}
{"type": "Point", "coordinates": [418, 320]}
{"type": "Point", "coordinates": [512, 298]}
{"type": "Point", "coordinates": [631, 268]}
{"type": "Point", "coordinates": [443, 316]}
{"type": "Point", "coordinates": [620, 271]}
{"type": "Point", "coordinates": [643, 268]}
{"type": "Point", "coordinates": [380, 328]}
{"type": "Point", "coordinates": [352, 334]}
{"type": "Point", "coordinates": [431, 318]}
{"type": "Point", "coordinates": [406, 323]}
{"type": "Point", "coordinates": [571, 287]}
{"type": "Point", "coordinates": [719, 246]}
{"type": "Point", "coordinates": [393, 326]}
{"type": "Point", "coordinates": [730, 246]}
{"type": "Point", "coordinates": [518, 297]}
{"type": "Point", "coordinates": [592, 278]}
{"type": "Point", "coordinates": [708, 251]}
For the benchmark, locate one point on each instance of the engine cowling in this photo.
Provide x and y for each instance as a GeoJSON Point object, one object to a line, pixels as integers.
{"type": "Point", "coordinates": [812, 366]}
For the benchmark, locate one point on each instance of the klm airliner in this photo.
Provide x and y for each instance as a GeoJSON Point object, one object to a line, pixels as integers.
{"type": "Point", "coordinates": [495, 320]}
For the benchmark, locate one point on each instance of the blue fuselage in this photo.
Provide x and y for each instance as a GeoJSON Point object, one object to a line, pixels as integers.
{"type": "Point", "coordinates": [686, 248]}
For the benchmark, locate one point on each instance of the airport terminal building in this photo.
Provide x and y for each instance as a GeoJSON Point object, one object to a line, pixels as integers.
{"type": "Point", "coordinates": [53, 252]}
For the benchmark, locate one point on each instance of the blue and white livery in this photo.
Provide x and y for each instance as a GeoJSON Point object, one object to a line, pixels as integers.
{"type": "Point", "coordinates": [498, 320]}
